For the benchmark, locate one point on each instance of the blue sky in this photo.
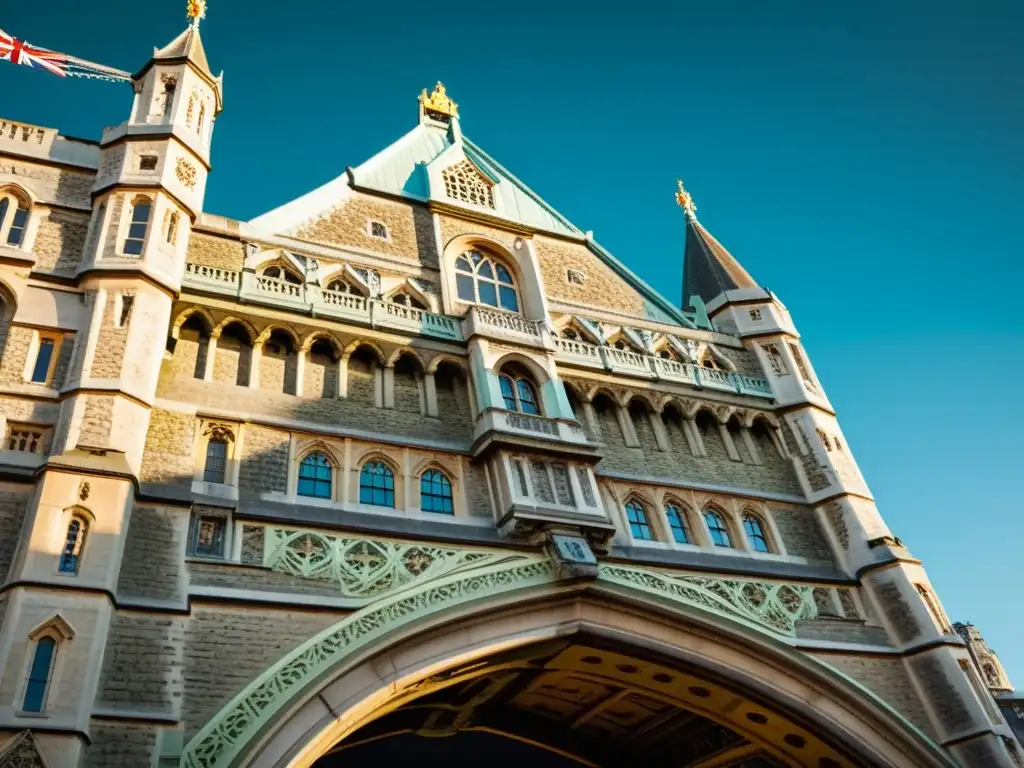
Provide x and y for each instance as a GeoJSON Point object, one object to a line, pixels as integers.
{"type": "Point", "coordinates": [863, 160]}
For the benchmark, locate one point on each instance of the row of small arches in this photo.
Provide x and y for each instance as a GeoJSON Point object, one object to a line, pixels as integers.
{"type": "Point", "coordinates": [720, 532]}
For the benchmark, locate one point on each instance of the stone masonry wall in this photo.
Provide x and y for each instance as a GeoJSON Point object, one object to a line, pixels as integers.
{"type": "Point", "coordinates": [154, 552]}
{"type": "Point", "coordinates": [168, 455]}
{"type": "Point", "coordinates": [888, 679]}
{"type": "Point", "coordinates": [143, 664]}
{"type": "Point", "coordinates": [52, 185]}
{"type": "Point", "coordinates": [15, 355]}
{"type": "Point", "coordinates": [227, 648]}
{"type": "Point", "coordinates": [410, 227]}
{"type": "Point", "coordinates": [60, 241]}
{"type": "Point", "coordinates": [110, 346]}
{"type": "Point", "coordinates": [602, 288]}
{"type": "Point", "coordinates": [12, 514]}
{"type": "Point", "coordinates": [97, 420]}
{"type": "Point", "coordinates": [119, 746]}
{"type": "Point", "coordinates": [213, 251]}
{"type": "Point", "coordinates": [264, 465]}
{"type": "Point", "coordinates": [31, 411]}
{"type": "Point", "coordinates": [801, 533]}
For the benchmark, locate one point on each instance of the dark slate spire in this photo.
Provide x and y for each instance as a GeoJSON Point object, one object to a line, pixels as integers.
{"type": "Point", "coordinates": [708, 268]}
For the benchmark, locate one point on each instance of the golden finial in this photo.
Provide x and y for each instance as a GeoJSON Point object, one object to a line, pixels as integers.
{"type": "Point", "coordinates": [196, 11]}
{"type": "Point", "coordinates": [438, 102]}
{"type": "Point", "coordinates": [685, 200]}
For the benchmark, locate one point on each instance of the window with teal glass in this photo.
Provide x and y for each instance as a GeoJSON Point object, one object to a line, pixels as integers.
{"type": "Point", "coordinates": [138, 226]}
{"type": "Point", "coordinates": [73, 543]}
{"type": "Point", "coordinates": [518, 394]}
{"type": "Point", "coordinates": [638, 523]}
{"type": "Point", "coordinates": [482, 280]}
{"type": "Point", "coordinates": [39, 675]}
{"type": "Point", "coordinates": [315, 473]}
{"type": "Point", "coordinates": [718, 529]}
{"type": "Point", "coordinates": [436, 493]}
{"type": "Point", "coordinates": [677, 523]}
{"type": "Point", "coordinates": [44, 356]}
{"type": "Point", "coordinates": [377, 484]}
{"type": "Point", "coordinates": [755, 533]}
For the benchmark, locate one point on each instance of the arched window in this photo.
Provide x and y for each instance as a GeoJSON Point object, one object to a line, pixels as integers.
{"type": "Point", "coordinates": [73, 543]}
{"type": "Point", "coordinates": [172, 228]}
{"type": "Point", "coordinates": [13, 218]}
{"type": "Point", "coordinates": [638, 523]}
{"type": "Point", "coordinates": [315, 476]}
{"type": "Point", "coordinates": [142, 210]}
{"type": "Point", "coordinates": [709, 361]}
{"type": "Point", "coordinates": [718, 529]}
{"type": "Point", "coordinates": [341, 287]}
{"type": "Point", "coordinates": [216, 460]}
{"type": "Point", "coordinates": [755, 533]}
{"type": "Point", "coordinates": [278, 273]}
{"type": "Point", "coordinates": [407, 301]}
{"type": "Point", "coordinates": [518, 394]}
{"type": "Point", "coordinates": [481, 280]}
{"type": "Point", "coordinates": [436, 493]}
{"type": "Point", "coordinates": [39, 675]}
{"type": "Point", "coordinates": [677, 523]}
{"type": "Point", "coordinates": [377, 484]}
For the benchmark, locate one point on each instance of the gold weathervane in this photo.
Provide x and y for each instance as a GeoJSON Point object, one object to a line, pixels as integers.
{"type": "Point", "coordinates": [196, 11]}
{"type": "Point", "coordinates": [438, 101]}
{"type": "Point", "coordinates": [685, 199]}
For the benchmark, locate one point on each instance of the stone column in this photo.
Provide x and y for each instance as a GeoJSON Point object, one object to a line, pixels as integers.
{"type": "Point", "coordinates": [300, 370]}
{"type": "Point", "coordinates": [626, 425]}
{"type": "Point", "coordinates": [590, 417]}
{"type": "Point", "coordinates": [730, 446]}
{"type": "Point", "coordinates": [659, 431]}
{"type": "Point", "coordinates": [255, 357]}
{"type": "Point", "coordinates": [693, 437]}
{"type": "Point", "coordinates": [342, 377]}
{"type": "Point", "coordinates": [430, 390]}
{"type": "Point", "coordinates": [389, 387]}
{"type": "Point", "coordinates": [211, 354]}
{"type": "Point", "coordinates": [748, 440]}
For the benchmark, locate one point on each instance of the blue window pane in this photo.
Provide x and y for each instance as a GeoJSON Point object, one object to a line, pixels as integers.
{"type": "Point", "coordinates": [476, 256]}
{"type": "Point", "coordinates": [755, 534]}
{"type": "Point", "coordinates": [5, 206]}
{"type": "Point", "coordinates": [133, 247]}
{"type": "Point", "coordinates": [72, 548]}
{"type": "Point", "coordinates": [216, 461]}
{"type": "Point", "coordinates": [377, 485]}
{"type": "Point", "coordinates": [462, 265]}
{"type": "Point", "coordinates": [503, 275]}
{"type": "Point", "coordinates": [137, 231]}
{"type": "Point", "coordinates": [638, 525]}
{"type": "Point", "coordinates": [140, 213]}
{"type": "Point", "coordinates": [464, 285]}
{"type": "Point", "coordinates": [42, 367]}
{"type": "Point", "coordinates": [39, 675]}
{"type": "Point", "coordinates": [508, 393]}
{"type": "Point", "coordinates": [488, 293]}
{"type": "Point", "coordinates": [527, 399]}
{"type": "Point", "coordinates": [509, 299]}
{"type": "Point", "coordinates": [677, 523]}
{"type": "Point", "coordinates": [486, 271]}
{"type": "Point", "coordinates": [14, 234]}
{"type": "Point", "coordinates": [315, 476]}
{"type": "Point", "coordinates": [719, 533]}
{"type": "Point", "coordinates": [436, 493]}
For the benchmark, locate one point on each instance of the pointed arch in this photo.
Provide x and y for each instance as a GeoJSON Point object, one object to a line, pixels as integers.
{"type": "Point", "coordinates": [230, 320]}
{"type": "Point", "coordinates": [437, 360]}
{"type": "Point", "coordinates": [357, 344]}
{"type": "Point", "coordinates": [320, 335]}
{"type": "Point", "coordinates": [399, 352]}
{"type": "Point", "coordinates": [317, 445]}
{"type": "Point", "coordinates": [269, 330]}
{"type": "Point", "coordinates": [201, 313]}
{"type": "Point", "coordinates": [56, 626]}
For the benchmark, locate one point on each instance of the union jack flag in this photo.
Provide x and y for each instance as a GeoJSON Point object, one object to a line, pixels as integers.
{"type": "Point", "coordinates": [19, 52]}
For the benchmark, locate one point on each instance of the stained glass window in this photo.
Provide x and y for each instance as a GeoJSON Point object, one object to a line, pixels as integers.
{"type": "Point", "coordinates": [315, 476]}
{"type": "Point", "coordinates": [436, 493]}
{"type": "Point", "coordinates": [377, 484]}
{"type": "Point", "coordinates": [638, 523]}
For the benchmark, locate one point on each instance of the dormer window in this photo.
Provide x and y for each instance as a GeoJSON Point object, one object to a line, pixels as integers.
{"type": "Point", "coordinates": [406, 301]}
{"type": "Point", "coordinates": [570, 334]}
{"type": "Point", "coordinates": [482, 280]}
{"type": "Point", "coordinates": [464, 182]}
{"type": "Point", "coordinates": [340, 286]}
{"type": "Point", "coordinates": [279, 273]}
{"type": "Point", "coordinates": [13, 218]}
{"type": "Point", "coordinates": [378, 229]}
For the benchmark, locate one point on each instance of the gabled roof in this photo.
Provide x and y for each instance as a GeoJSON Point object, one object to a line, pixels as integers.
{"type": "Point", "coordinates": [189, 46]}
{"type": "Point", "coordinates": [708, 268]}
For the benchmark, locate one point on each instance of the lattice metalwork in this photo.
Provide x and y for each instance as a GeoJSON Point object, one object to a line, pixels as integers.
{"type": "Point", "coordinates": [361, 568]}
{"type": "Point", "coordinates": [462, 181]}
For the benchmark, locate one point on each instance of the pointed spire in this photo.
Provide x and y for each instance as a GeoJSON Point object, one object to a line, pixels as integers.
{"type": "Point", "coordinates": [708, 268]}
{"type": "Point", "coordinates": [187, 46]}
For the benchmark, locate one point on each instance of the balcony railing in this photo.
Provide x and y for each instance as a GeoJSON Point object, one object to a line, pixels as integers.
{"type": "Point", "coordinates": [506, 325]}
{"type": "Point", "coordinates": [648, 366]}
{"type": "Point", "coordinates": [318, 302]}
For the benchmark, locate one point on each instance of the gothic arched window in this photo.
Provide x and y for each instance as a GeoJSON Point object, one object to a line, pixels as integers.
{"type": "Point", "coordinates": [39, 675]}
{"type": "Point", "coordinates": [406, 301]}
{"type": "Point", "coordinates": [678, 524]}
{"type": "Point", "coordinates": [315, 473]}
{"type": "Point", "coordinates": [142, 210]}
{"type": "Point", "coordinates": [718, 529]}
{"type": "Point", "coordinates": [279, 273]}
{"type": "Point", "coordinates": [377, 484]}
{"type": "Point", "coordinates": [73, 543]}
{"type": "Point", "coordinates": [518, 393]}
{"type": "Point", "coordinates": [638, 522]}
{"type": "Point", "coordinates": [436, 493]}
{"type": "Point", "coordinates": [480, 279]}
{"type": "Point", "coordinates": [13, 218]}
{"type": "Point", "coordinates": [216, 460]}
{"type": "Point", "coordinates": [755, 533]}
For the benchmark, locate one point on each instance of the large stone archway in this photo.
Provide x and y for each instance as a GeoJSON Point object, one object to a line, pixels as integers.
{"type": "Point", "coordinates": [720, 653]}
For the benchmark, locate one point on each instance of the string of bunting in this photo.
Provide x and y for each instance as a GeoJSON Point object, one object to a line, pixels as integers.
{"type": "Point", "coordinates": [61, 64]}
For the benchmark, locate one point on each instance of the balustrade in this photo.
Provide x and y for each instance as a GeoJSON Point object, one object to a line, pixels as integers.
{"type": "Point", "coordinates": [26, 439]}
{"type": "Point", "coordinates": [200, 274]}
